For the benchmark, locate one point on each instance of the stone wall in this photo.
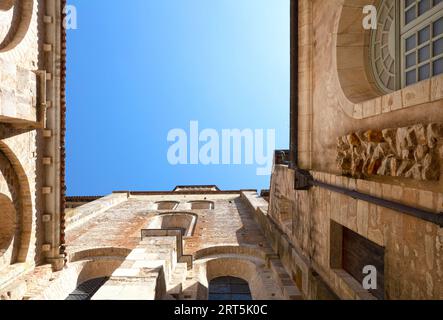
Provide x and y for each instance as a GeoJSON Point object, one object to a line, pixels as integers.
{"type": "Point", "coordinates": [413, 247]}
{"type": "Point", "coordinates": [331, 62]}
{"type": "Point", "coordinates": [351, 135]}
{"type": "Point", "coordinates": [26, 46]}
{"type": "Point", "coordinates": [225, 241]}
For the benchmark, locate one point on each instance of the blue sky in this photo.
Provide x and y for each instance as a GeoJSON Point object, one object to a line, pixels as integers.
{"type": "Point", "coordinates": [139, 68]}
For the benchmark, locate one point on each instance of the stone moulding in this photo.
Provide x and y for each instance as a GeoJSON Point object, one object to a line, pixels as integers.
{"type": "Point", "coordinates": [411, 152]}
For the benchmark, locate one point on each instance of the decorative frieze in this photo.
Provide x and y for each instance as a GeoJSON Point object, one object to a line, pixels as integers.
{"type": "Point", "coordinates": [409, 152]}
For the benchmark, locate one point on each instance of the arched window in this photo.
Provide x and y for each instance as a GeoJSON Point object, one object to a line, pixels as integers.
{"type": "Point", "coordinates": [167, 205]}
{"type": "Point", "coordinates": [87, 289]}
{"type": "Point", "coordinates": [407, 46]}
{"type": "Point", "coordinates": [202, 205]}
{"type": "Point", "coordinates": [182, 221]}
{"type": "Point", "coordinates": [229, 288]}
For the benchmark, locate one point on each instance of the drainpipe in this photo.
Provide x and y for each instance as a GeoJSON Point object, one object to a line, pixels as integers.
{"type": "Point", "coordinates": [399, 207]}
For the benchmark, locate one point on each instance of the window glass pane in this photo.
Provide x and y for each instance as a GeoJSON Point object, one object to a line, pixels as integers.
{"type": "Point", "coordinates": [437, 2]}
{"type": "Point", "coordinates": [410, 77]}
{"type": "Point", "coordinates": [410, 60]}
{"type": "Point", "coordinates": [408, 3]}
{"type": "Point", "coordinates": [229, 288]}
{"type": "Point", "coordinates": [410, 15]}
{"type": "Point", "coordinates": [438, 66]}
{"type": "Point", "coordinates": [220, 288]}
{"type": "Point", "coordinates": [86, 290]}
{"type": "Point", "coordinates": [423, 54]}
{"type": "Point", "coordinates": [438, 27]}
{"type": "Point", "coordinates": [424, 72]}
{"type": "Point", "coordinates": [438, 47]}
{"type": "Point", "coordinates": [423, 35]}
{"type": "Point", "coordinates": [423, 6]}
{"type": "Point", "coordinates": [241, 297]}
{"type": "Point", "coordinates": [410, 43]}
{"type": "Point", "coordinates": [213, 296]}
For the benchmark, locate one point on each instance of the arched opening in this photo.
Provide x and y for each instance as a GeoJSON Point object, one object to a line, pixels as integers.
{"type": "Point", "coordinates": [18, 15]}
{"type": "Point", "coordinates": [229, 288]}
{"type": "Point", "coordinates": [87, 289]}
{"type": "Point", "coordinates": [182, 221]}
{"type": "Point", "coordinates": [167, 205]}
{"type": "Point", "coordinates": [8, 220]}
{"type": "Point", "coordinates": [353, 50]}
{"type": "Point", "coordinates": [262, 285]}
{"type": "Point", "coordinates": [14, 183]}
{"type": "Point", "coordinates": [202, 205]}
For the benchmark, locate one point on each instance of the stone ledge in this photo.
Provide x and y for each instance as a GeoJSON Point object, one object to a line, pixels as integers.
{"type": "Point", "coordinates": [423, 92]}
{"type": "Point", "coordinates": [349, 284]}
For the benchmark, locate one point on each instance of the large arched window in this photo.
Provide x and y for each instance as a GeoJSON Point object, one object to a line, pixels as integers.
{"type": "Point", "coordinates": [229, 288]}
{"type": "Point", "coordinates": [87, 289]}
{"type": "Point", "coordinates": [407, 46]}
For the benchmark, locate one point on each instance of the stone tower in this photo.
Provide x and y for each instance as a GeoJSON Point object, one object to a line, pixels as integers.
{"type": "Point", "coordinates": [183, 244]}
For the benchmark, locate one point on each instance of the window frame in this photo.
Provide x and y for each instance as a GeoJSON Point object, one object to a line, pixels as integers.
{"type": "Point", "coordinates": [230, 282]}
{"type": "Point", "coordinates": [406, 31]}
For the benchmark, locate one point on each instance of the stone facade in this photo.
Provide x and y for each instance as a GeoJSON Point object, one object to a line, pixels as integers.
{"type": "Point", "coordinates": [366, 169]}
{"type": "Point", "coordinates": [30, 111]}
{"type": "Point", "coordinates": [361, 184]}
{"type": "Point", "coordinates": [123, 238]}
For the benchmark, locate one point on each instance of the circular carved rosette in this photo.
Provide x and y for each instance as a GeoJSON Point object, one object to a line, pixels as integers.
{"type": "Point", "coordinates": [15, 18]}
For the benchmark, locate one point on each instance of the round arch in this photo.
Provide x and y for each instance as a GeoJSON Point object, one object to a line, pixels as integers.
{"type": "Point", "coordinates": [353, 54]}
{"type": "Point", "coordinates": [85, 265]}
{"type": "Point", "coordinates": [20, 16]}
{"type": "Point", "coordinates": [185, 221]}
{"type": "Point", "coordinates": [241, 265]}
{"type": "Point", "coordinates": [22, 201]}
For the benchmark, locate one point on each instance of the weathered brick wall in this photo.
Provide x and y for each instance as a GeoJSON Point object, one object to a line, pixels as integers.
{"type": "Point", "coordinates": [226, 235]}
{"type": "Point", "coordinates": [230, 223]}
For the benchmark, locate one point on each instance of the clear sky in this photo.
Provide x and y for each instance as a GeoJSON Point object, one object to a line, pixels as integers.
{"type": "Point", "coordinates": [139, 68]}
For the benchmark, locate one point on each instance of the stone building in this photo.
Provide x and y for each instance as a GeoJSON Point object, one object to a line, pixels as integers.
{"type": "Point", "coordinates": [361, 184]}
{"type": "Point", "coordinates": [358, 195]}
